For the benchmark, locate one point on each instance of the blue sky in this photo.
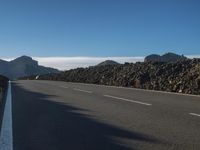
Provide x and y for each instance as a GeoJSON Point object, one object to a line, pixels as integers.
{"type": "Point", "coordinates": [98, 27]}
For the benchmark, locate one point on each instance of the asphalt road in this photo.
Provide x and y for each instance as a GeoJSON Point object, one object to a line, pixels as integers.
{"type": "Point", "coordinates": [50, 115]}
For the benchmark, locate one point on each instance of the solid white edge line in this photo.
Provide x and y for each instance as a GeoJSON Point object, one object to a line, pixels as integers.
{"type": "Point", "coordinates": [6, 135]}
{"type": "Point", "coordinates": [82, 90]}
{"type": "Point", "coordinates": [194, 114]}
{"type": "Point", "coordinates": [128, 100]}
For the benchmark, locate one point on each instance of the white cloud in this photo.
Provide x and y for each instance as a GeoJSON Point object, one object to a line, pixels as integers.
{"type": "Point", "coordinates": [193, 56]}
{"type": "Point", "coordinates": [66, 63]}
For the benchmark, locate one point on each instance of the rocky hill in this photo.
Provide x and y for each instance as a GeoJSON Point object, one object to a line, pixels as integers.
{"type": "Point", "coordinates": [108, 62]}
{"type": "Point", "coordinates": [168, 57]}
{"type": "Point", "coordinates": [180, 76]}
{"type": "Point", "coordinates": [23, 66]}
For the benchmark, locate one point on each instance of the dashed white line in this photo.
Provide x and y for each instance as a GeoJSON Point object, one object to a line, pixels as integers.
{"type": "Point", "coordinates": [128, 100]}
{"type": "Point", "coordinates": [136, 89]}
{"type": "Point", "coordinates": [194, 114]}
{"type": "Point", "coordinates": [82, 90]}
{"type": "Point", "coordinates": [64, 87]}
{"type": "Point", "coordinates": [6, 136]}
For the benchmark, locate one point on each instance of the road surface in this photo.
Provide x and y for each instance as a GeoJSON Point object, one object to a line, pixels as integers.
{"type": "Point", "coordinates": [49, 115]}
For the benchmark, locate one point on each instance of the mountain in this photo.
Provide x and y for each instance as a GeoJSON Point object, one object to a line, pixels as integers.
{"type": "Point", "coordinates": [168, 57]}
{"type": "Point", "coordinates": [23, 66]}
{"type": "Point", "coordinates": [108, 62]}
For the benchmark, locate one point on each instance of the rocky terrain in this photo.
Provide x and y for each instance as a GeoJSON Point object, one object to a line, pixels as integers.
{"type": "Point", "coordinates": [181, 76]}
{"type": "Point", "coordinates": [3, 86]}
{"type": "Point", "coordinates": [23, 66]}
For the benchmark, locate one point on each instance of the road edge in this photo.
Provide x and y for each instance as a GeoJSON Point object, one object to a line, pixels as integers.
{"type": "Point", "coordinates": [6, 135]}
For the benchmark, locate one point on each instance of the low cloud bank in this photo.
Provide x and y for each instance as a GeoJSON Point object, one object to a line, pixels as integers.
{"type": "Point", "coordinates": [66, 63]}
{"type": "Point", "coordinates": [193, 56]}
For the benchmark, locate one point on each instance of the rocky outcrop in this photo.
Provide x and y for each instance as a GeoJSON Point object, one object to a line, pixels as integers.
{"type": "Point", "coordinates": [23, 66]}
{"type": "Point", "coordinates": [181, 76]}
{"type": "Point", "coordinates": [108, 62]}
{"type": "Point", "coordinates": [3, 86]}
{"type": "Point", "coordinates": [168, 57]}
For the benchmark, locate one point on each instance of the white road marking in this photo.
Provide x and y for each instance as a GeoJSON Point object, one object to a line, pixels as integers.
{"type": "Point", "coordinates": [194, 114]}
{"type": "Point", "coordinates": [136, 89]}
{"type": "Point", "coordinates": [64, 87]}
{"type": "Point", "coordinates": [128, 100]}
{"type": "Point", "coordinates": [6, 136]}
{"type": "Point", "coordinates": [82, 90]}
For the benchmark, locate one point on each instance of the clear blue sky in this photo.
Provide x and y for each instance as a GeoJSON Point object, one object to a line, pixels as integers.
{"type": "Point", "coordinates": [99, 27]}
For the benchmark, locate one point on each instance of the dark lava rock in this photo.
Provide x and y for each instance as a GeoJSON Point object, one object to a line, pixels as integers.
{"type": "Point", "coordinates": [180, 76]}
{"type": "Point", "coordinates": [3, 87]}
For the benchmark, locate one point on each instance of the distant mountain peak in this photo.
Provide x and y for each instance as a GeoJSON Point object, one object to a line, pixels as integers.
{"type": "Point", "coordinates": [23, 66]}
{"type": "Point", "coordinates": [167, 57]}
{"type": "Point", "coordinates": [23, 58]}
{"type": "Point", "coordinates": [108, 62]}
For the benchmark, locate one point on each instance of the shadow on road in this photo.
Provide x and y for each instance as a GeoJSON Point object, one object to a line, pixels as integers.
{"type": "Point", "coordinates": [41, 122]}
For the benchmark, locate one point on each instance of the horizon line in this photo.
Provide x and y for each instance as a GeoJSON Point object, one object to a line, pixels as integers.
{"type": "Point", "coordinates": [67, 63]}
